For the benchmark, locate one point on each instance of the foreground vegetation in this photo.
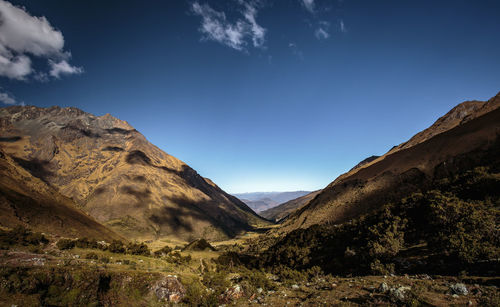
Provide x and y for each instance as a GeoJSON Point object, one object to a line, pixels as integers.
{"type": "Point", "coordinates": [439, 246]}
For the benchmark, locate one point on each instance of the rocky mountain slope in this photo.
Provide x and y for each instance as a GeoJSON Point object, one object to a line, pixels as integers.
{"type": "Point", "coordinates": [457, 140]}
{"type": "Point", "coordinates": [115, 175]}
{"type": "Point", "coordinates": [28, 201]}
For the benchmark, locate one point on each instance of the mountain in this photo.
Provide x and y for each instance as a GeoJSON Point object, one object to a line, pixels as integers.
{"type": "Point", "coordinates": [282, 211]}
{"type": "Point", "coordinates": [261, 204]}
{"type": "Point", "coordinates": [364, 162]}
{"type": "Point", "coordinates": [260, 201]}
{"type": "Point", "coordinates": [119, 178]}
{"type": "Point", "coordinates": [28, 201]}
{"type": "Point", "coordinates": [463, 138]}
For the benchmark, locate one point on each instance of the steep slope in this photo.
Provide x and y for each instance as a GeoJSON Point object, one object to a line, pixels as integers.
{"type": "Point", "coordinates": [112, 172]}
{"type": "Point", "coordinates": [282, 211]}
{"type": "Point", "coordinates": [456, 141]}
{"type": "Point", "coordinates": [28, 201]}
{"type": "Point", "coordinates": [364, 162]}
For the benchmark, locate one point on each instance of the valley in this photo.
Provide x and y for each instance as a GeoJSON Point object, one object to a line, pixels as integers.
{"type": "Point", "coordinates": [94, 214]}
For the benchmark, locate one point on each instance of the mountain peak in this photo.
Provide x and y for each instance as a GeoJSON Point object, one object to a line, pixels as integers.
{"type": "Point", "coordinates": [114, 174]}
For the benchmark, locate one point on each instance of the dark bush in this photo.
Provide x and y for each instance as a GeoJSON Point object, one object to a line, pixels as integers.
{"type": "Point", "coordinates": [86, 243]}
{"type": "Point", "coordinates": [177, 258]}
{"type": "Point", "coordinates": [63, 244]}
{"type": "Point", "coordinates": [138, 249]}
{"type": "Point", "coordinates": [117, 247]}
{"type": "Point", "coordinates": [164, 251]}
{"type": "Point", "coordinates": [21, 236]}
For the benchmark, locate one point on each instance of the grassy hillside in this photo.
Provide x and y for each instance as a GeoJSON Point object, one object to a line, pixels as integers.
{"type": "Point", "coordinates": [119, 178]}
{"type": "Point", "coordinates": [403, 171]}
{"type": "Point", "coordinates": [28, 201]}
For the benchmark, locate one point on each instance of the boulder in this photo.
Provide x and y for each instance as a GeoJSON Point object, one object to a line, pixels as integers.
{"type": "Point", "coordinates": [169, 289]}
{"type": "Point", "coordinates": [459, 289]}
{"type": "Point", "coordinates": [383, 288]}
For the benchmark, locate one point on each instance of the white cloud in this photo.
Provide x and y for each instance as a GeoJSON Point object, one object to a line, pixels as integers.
{"type": "Point", "coordinates": [63, 68]}
{"type": "Point", "coordinates": [8, 99]}
{"type": "Point", "coordinates": [309, 5]}
{"type": "Point", "coordinates": [258, 33]}
{"type": "Point", "coordinates": [216, 27]}
{"type": "Point", "coordinates": [22, 36]}
{"type": "Point", "coordinates": [14, 66]}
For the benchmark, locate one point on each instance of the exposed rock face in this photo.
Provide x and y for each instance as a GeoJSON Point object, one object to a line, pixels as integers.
{"type": "Point", "coordinates": [462, 138]}
{"type": "Point", "coordinates": [112, 172]}
{"type": "Point", "coordinates": [169, 289]}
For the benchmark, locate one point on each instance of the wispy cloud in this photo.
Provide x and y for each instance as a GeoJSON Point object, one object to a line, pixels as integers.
{"type": "Point", "coordinates": [23, 36]}
{"type": "Point", "coordinates": [322, 32]}
{"type": "Point", "coordinates": [258, 33]}
{"type": "Point", "coordinates": [309, 5]}
{"type": "Point", "coordinates": [296, 51]}
{"type": "Point", "coordinates": [216, 27]}
{"type": "Point", "coordinates": [8, 99]}
{"type": "Point", "coordinates": [342, 26]}
{"type": "Point", "coordinates": [319, 11]}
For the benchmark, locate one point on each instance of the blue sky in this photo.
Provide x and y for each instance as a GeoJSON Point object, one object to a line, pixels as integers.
{"type": "Point", "coordinates": [256, 95]}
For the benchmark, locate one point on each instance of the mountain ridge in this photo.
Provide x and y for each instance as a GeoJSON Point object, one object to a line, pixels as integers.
{"type": "Point", "coordinates": [114, 174]}
{"type": "Point", "coordinates": [404, 168]}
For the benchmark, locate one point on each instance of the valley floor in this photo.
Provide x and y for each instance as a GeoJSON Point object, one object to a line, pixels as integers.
{"type": "Point", "coordinates": [33, 276]}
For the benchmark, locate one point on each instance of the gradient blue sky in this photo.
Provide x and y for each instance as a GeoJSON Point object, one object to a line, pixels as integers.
{"type": "Point", "coordinates": [306, 92]}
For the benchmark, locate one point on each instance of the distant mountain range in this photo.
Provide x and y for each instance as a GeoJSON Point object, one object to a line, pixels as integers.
{"type": "Point", "coordinates": [66, 167]}
{"type": "Point", "coordinates": [260, 201]}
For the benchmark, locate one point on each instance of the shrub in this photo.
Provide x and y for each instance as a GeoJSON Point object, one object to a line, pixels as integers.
{"type": "Point", "coordinates": [464, 229]}
{"type": "Point", "coordinates": [138, 249]}
{"type": "Point", "coordinates": [288, 275]}
{"type": "Point", "coordinates": [177, 258]}
{"type": "Point", "coordinates": [198, 295]}
{"type": "Point", "coordinates": [386, 236]}
{"type": "Point", "coordinates": [379, 268]}
{"type": "Point", "coordinates": [20, 236]}
{"type": "Point", "coordinates": [63, 244]}
{"type": "Point", "coordinates": [86, 243]}
{"type": "Point", "coordinates": [117, 247]}
{"type": "Point", "coordinates": [162, 252]}
{"type": "Point", "coordinates": [217, 281]}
